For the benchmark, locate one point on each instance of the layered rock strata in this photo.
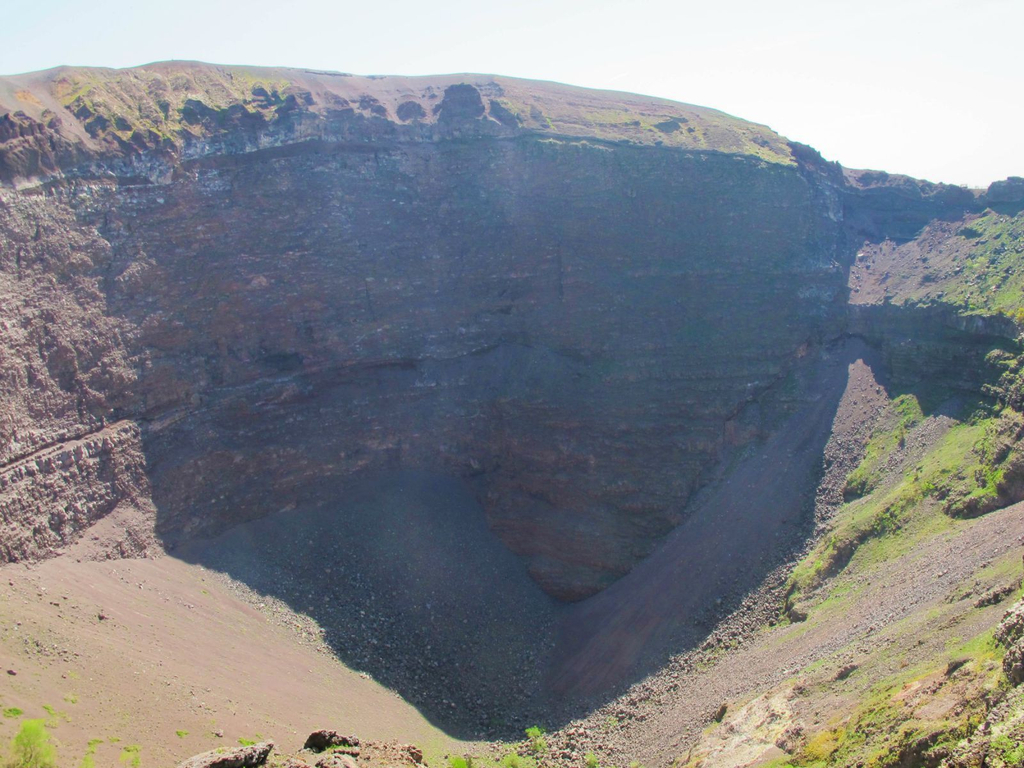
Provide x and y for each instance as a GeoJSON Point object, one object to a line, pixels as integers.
{"type": "Point", "coordinates": [572, 299]}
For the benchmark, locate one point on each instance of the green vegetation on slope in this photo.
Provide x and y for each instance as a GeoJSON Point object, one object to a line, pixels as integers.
{"type": "Point", "coordinates": [992, 276]}
{"type": "Point", "coordinates": [978, 268]}
{"type": "Point", "coordinates": [894, 724]}
{"type": "Point", "coordinates": [921, 475]}
{"type": "Point", "coordinates": [973, 468]}
{"type": "Point", "coordinates": [906, 414]}
{"type": "Point", "coordinates": [154, 105]}
{"type": "Point", "coordinates": [620, 117]}
{"type": "Point", "coordinates": [31, 747]}
{"type": "Point", "coordinates": [161, 105]}
{"type": "Point", "coordinates": [89, 758]}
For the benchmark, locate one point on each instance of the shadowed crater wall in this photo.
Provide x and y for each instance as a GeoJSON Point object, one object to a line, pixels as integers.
{"type": "Point", "coordinates": [411, 587]}
{"type": "Point", "coordinates": [573, 328]}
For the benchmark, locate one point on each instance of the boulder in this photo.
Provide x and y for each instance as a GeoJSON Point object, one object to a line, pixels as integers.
{"type": "Point", "coordinates": [1009, 191]}
{"type": "Point", "coordinates": [415, 754]}
{"type": "Point", "coordinates": [1010, 634]}
{"type": "Point", "coordinates": [240, 757]}
{"type": "Point", "coordinates": [323, 739]}
{"type": "Point", "coordinates": [336, 760]}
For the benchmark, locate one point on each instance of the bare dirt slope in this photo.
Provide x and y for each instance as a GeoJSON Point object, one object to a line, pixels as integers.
{"type": "Point", "coordinates": [178, 658]}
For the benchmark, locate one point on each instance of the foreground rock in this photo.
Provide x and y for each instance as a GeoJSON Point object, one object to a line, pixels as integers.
{"type": "Point", "coordinates": [323, 739]}
{"type": "Point", "coordinates": [999, 740]}
{"type": "Point", "coordinates": [1010, 635]}
{"type": "Point", "coordinates": [328, 749]}
{"type": "Point", "coordinates": [241, 757]}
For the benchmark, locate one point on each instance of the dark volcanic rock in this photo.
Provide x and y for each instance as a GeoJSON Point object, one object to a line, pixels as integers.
{"type": "Point", "coordinates": [410, 110]}
{"type": "Point", "coordinates": [240, 757]}
{"type": "Point", "coordinates": [1009, 191]}
{"type": "Point", "coordinates": [413, 314]}
{"type": "Point", "coordinates": [460, 102]}
{"type": "Point", "coordinates": [323, 739]}
{"type": "Point", "coordinates": [34, 148]}
{"type": "Point", "coordinates": [503, 115]}
{"type": "Point", "coordinates": [880, 205]}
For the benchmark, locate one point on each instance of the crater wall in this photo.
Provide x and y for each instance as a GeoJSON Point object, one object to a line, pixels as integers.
{"type": "Point", "coordinates": [574, 300]}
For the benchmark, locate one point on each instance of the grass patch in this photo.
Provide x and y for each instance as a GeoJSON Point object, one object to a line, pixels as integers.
{"type": "Point", "coordinates": [897, 722]}
{"type": "Point", "coordinates": [989, 280]}
{"type": "Point", "coordinates": [512, 760]}
{"type": "Point", "coordinates": [131, 755]}
{"type": "Point", "coordinates": [56, 717]}
{"type": "Point", "coordinates": [155, 106]}
{"type": "Point", "coordinates": [983, 649]}
{"type": "Point", "coordinates": [905, 414]}
{"type": "Point", "coordinates": [536, 742]}
{"type": "Point", "coordinates": [1008, 750]}
{"type": "Point", "coordinates": [89, 758]}
{"type": "Point", "coordinates": [963, 475]}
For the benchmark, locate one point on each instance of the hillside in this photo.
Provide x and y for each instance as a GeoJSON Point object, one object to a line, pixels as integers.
{"type": "Point", "coordinates": [75, 118]}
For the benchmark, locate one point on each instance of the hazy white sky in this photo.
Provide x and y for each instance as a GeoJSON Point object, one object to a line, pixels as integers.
{"type": "Point", "coordinates": [932, 88]}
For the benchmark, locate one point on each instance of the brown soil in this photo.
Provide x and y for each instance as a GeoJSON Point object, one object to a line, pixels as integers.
{"type": "Point", "coordinates": [177, 651]}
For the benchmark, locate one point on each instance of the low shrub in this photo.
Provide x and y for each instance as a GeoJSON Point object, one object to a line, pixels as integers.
{"type": "Point", "coordinates": [538, 744]}
{"type": "Point", "coordinates": [31, 747]}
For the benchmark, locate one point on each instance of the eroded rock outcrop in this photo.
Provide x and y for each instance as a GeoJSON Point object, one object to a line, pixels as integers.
{"type": "Point", "coordinates": [251, 756]}
{"type": "Point", "coordinates": [1009, 190]}
{"type": "Point", "coordinates": [325, 738]}
{"type": "Point", "coordinates": [1010, 635]}
{"type": "Point", "coordinates": [48, 499]}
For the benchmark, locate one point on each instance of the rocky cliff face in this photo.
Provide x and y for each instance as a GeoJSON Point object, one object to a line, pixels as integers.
{"type": "Point", "coordinates": [270, 280]}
